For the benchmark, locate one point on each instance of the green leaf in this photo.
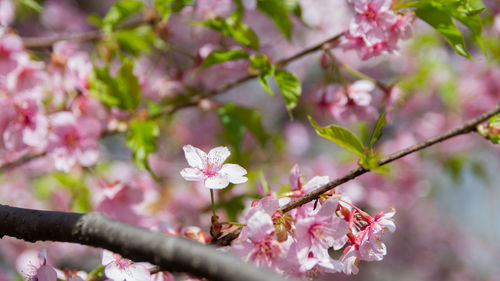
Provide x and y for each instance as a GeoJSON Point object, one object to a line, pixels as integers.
{"type": "Point", "coordinates": [238, 118]}
{"type": "Point", "coordinates": [443, 23]}
{"type": "Point", "coordinates": [339, 135]}
{"type": "Point", "coordinates": [136, 41]}
{"type": "Point", "coordinates": [290, 88]}
{"type": "Point", "coordinates": [235, 28]}
{"type": "Point", "coordinates": [265, 68]}
{"type": "Point", "coordinates": [377, 130]}
{"type": "Point", "coordinates": [33, 4]}
{"type": "Point", "coordinates": [120, 11]}
{"type": "Point", "coordinates": [220, 56]}
{"type": "Point", "coordinates": [369, 161]}
{"type": "Point", "coordinates": [142, 140]}
{"type": "Point", "coordinates": [128, 85]}
{"type": "Point", "coordinates": [123, 92]}
{"type": "Point", "coordinates": [277, 10]}
{"type": "Point", "coordinates": [473, 22]}
{"type": "Point", "coordinates": [167, 7]}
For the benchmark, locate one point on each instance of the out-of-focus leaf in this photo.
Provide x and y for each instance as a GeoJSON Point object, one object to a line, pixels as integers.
{"type": "Point", "coordinates": [339, 135]}
{"type": "Point", "coordinates": [235, 28]}
{"type": "Point", "coordinates": [33, 4]}
{"type": "Point", "coordinates": [278, 12]}
{"type": "Point", "coordinates": [120, 11]}
{"type": "Point", "coordinates": [141, 139]}
{"type": "Point", "coordinates": [136, 41]}
{"type": "Point", "coordinates": [167, 7]}
{"type": "Point", "coordinates": [123, 92]}
{"type": "Point", "coordinates": [220, 56]}
{"type": "Point", "coordinates": [377, 130]}
{"type": "Point", "coordinates": [290, 88]}
{"type": "Point", "coordinates": [238, 118]}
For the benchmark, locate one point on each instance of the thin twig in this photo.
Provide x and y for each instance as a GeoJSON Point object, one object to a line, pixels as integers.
{"type": "Point", "coordinates": [468, 127]}
{"type": "Point", "coordinates": [89, 36]}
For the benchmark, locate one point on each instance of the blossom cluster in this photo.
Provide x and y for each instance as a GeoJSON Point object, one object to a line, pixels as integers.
{"type": "Point", "coordinates": [47, 108]}
{"type": "Point", "coordinates": [298, 243]}
{"type": "Point", "coordinates": [376, 28]}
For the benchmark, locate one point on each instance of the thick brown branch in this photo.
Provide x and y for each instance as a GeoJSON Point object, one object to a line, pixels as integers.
{"type": "Point", "coordinates": [468, 127]}
{"type": "Point", "coordinates": [170, 253]}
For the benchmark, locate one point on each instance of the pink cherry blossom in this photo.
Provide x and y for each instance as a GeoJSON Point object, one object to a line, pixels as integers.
{"type": "Point", "coordinates": [257, 241]}
{"type": "Point", "coordinates": [120, 269]}
{"type": "Point", "coordinates": [210, 169]}
{"type": "Point", "coordinates": [375, 28]}
{"type": "Point", "coordinates": [318, 232]}
{"type": "Point", "coordinates": [34, 266]}
{"type": "Point", "coordinates": [27, 125]}
{"type": "Point", "coordinates": [350, 103]}
{"type": "Point", "coordinates": [73, 140]}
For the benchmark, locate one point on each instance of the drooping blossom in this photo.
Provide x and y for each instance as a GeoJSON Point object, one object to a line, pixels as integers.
{"type": "Point", "coordinates": [210, 168]}
{"type": "Point", "coordinates": [350, 103]}
{"type": "Point", "coordinates": [34, 266]}
{"type": "Point", "coordinates": [365, 243]}
{"type": "Point", "coordinates": [257, 241]}
{"type": "Point", "coordinates": [73, 140]}
{"type": "Point", "coordinates": [318, 232]}
{"type": "Point", "coordinates": [121, 269]}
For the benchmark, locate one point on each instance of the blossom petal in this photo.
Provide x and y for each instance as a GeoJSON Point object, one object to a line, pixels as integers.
{"type": "Point", "coordinates": [194, 156]}
{"type": "Point", "coordinates": [218, 181]}
{"type": "Point", "coordinates": [218, 155]}
{"type": "Point", "coordinates": [192, 174]}
{"type": "Point", "coordinates": [234, 172]}
{"type": "Point", "coordinates": [46, 273]}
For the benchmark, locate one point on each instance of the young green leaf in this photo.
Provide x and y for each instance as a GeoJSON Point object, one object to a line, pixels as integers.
{"type": "Point", "coordinates": [123, 92]}
{"type": "Point", "coordinates": [369, 161]}
{"type": "Point", "coordinates": [261, 63]}
{"type": "Point", "coordinates": [377, 130]}
{"type": "Point", "coordinates": [142, 140]}
{"type": "Point", "coordinates": [235, 28]}
{"type": "Point", "coordinates": [237, 119]}
{"type": "Point", "coordinates": [277, 10]}
{"type": "Point", "coordinates": [290, 88]}
{"type": "Point", "coordinates": [120, 11]}
{"type": "Point", "coordinates": [444, 24]}
{"type": "Point", "coordinates": [339, 135]}
{"type": "Point", "coordinates": [220, 56]}
{"type": "Point", "coordinates": [136, 41]}
{"type": "Point", "coordinates": [167, 7]}
{"type": "Point", "coordinates": [33, 4]}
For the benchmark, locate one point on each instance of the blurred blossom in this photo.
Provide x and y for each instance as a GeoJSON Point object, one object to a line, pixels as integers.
{"type": "Point", "coordinates": [73, 140]}
{"type": "Point", "coordinates": [297, 138]}
{"type": "Point", "coordinates": [60, 15]}
{"type": "Point", "coordinates": [350, 103]}
{"type": "Point", "coordinates": [376, 29]}
{"type": "Point", "coordinates": [7, 12]}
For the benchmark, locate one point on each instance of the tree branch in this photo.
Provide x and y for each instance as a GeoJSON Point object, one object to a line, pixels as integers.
{"type": "Point", "coordinates": [175, 254]}
{"type": "Point", "coordinates": [94, 35]}
{"type": "Point", "coordinates": [468, 127]}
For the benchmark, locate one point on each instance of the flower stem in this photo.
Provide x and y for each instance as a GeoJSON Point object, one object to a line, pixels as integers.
{"type": "Point", "coordinates": [213, 205]}
{"type": "Point", "coordinates": [95, 274]}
